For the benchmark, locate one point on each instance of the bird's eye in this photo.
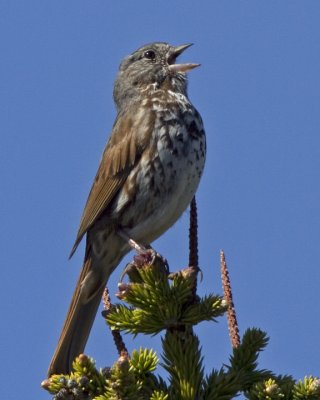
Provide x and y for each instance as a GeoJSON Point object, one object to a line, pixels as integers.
{"type": "Point", "coordinates": [150, 55]}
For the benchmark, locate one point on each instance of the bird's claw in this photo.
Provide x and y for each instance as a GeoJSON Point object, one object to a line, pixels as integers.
{"type": "Point", "coordinates": [147, 257]}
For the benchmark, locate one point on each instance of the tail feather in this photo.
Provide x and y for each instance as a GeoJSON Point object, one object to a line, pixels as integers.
{"type": "Point", "coordinates": [86, 299]}
{"type": "Point", "coordinates": [79, 320]}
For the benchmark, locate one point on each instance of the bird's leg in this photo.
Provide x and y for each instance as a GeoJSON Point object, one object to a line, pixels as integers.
{"type": "Point", "coordinates": [139, 248]}
{"type": "Point", "coordinates": [145, 254]}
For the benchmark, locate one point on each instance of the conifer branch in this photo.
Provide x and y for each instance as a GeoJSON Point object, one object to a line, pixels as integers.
{"type": "Point", "coordinates": [159, 301]}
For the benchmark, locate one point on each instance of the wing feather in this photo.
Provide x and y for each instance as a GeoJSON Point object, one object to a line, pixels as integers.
{"type": "Point", "coordinates": [126, 144]}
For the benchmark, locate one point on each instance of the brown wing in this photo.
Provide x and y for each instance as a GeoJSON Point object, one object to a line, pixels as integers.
{"type": "Point", "coordinates": [130, 136]}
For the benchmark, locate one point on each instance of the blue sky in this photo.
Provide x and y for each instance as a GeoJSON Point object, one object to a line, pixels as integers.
{"type": "Point", "coordinates": [258, 92]}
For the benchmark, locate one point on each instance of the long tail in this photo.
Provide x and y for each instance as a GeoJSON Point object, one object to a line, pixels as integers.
{"type": "Point", "coordinates": [80, 317]}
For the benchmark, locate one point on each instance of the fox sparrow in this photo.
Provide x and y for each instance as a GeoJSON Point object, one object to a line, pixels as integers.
{"type": "Point", "coordinates": [149, 172]}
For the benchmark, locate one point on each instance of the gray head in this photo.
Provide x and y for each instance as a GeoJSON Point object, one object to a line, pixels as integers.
{"type": "Point", "coordinates": [155, 64]}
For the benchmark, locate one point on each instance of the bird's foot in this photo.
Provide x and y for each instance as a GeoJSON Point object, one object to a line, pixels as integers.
{"type": "Point", "coordinates": [148, 257]}
{"type": "Point", "coordinates": [145, 253]}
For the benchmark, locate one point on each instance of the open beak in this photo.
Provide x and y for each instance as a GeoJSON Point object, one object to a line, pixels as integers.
{"type": "Point", "coordinates": [177, 50]}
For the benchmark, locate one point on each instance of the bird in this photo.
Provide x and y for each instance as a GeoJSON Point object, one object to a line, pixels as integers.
{"type": "Point", "coordinates": [148, 174]}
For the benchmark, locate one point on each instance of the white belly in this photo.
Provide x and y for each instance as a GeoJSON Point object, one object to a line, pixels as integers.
{"type": "Point", "coordinates": [166, 185]}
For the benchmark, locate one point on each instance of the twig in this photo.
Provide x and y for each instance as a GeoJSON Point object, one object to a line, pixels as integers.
{"type": "Point", "coordinates": [117, 338]}
{"type": "Point", "coordinates": [193, 235]}
{"type": "Point", "coordinates": [193, 244]}
{"type": "Point", "coordinates": [231, 312]}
